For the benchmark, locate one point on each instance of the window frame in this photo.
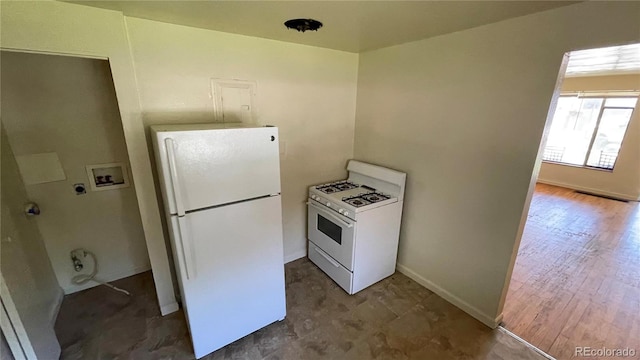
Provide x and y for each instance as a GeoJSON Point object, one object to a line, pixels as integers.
{"type": "Point", "coordinates": [604, 96]}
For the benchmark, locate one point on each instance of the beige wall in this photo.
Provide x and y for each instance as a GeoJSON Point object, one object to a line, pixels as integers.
{"type": "Point", "coordinates": [308, 92]}
{"type": "Point", "coordinates": [52, 26]}
{"type": "Point", "coordinates": [68, 105]}
{"type": "Point", "coordinates": [24, 264]}
{"type": "Point", "coordinates": [624, 181]}
{"type": "Point", "coordinates": [463, 114]}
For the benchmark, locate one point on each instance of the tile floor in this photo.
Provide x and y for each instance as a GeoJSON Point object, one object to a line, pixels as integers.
{"type": "Point", "coordinates": [394, 319]}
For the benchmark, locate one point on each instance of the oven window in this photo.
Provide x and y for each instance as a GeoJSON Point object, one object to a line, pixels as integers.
{"type": "Point", "coordinates": [330, 229]}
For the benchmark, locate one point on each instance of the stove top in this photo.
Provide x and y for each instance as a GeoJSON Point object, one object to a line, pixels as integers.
{"type": "Point", "coordinates": [348, 198]}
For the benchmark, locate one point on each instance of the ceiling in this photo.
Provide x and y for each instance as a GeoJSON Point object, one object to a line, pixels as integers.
{"type": "Point", "coordinates": [353, 26]}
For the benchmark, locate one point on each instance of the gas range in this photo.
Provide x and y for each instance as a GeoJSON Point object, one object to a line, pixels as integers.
{"type": "Point", "coordinates": [353, 225]}
{"type": "Point", "coordinates": [349, 198]}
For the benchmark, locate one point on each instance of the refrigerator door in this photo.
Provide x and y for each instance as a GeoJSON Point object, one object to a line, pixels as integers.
{"type": "Point", "coordinates": [235, 282]}
{"type": "Point", "coordinates": [211, 167]}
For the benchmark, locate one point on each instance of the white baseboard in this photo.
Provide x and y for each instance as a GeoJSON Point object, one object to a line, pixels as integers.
{"type": "Point", "coordinates": [590, 190]}
{"type": "Point", "coordinates": [169, 308]}
{"type": "Point", "coordinates": [295, 256]}
{"type": "Point", "coordinates": [456, 301]}
{"type": "Point", "coordinates": [71, 288]}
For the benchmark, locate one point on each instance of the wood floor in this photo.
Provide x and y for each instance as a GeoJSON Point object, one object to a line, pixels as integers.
{"type": "Point", "coordinates": [576, 281]}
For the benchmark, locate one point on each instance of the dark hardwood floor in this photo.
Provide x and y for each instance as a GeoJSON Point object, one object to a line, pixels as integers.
{"type": "Point", "coordinates": [576, 281]}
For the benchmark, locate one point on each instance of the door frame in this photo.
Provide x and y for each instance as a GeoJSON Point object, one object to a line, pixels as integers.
{"type": "Point", "coordinates": [53, 28]}
{"type": "Point", "coordinates": [532, 182]}
{"type": "Point", "coordinates": [12, 327]}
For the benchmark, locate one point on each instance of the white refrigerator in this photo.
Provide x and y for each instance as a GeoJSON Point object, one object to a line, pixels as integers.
{"type": "Point", "coordinates": [221, 190]}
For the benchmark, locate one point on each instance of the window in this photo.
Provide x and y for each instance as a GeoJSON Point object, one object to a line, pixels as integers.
{"type": "Point", "coordinates": [588, 130]}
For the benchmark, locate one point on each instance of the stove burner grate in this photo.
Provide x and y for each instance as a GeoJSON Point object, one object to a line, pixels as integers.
{"type": "Point", "coordinates": [356, 201]}
{"type": "Point", "coordinates": [337, 187]}
{"type": "Point", "coordinates": [365, 199]}
{"type": "Point", "coordinates": [328, 189]}
{"type": "Point", "coordinates": [375, 197]}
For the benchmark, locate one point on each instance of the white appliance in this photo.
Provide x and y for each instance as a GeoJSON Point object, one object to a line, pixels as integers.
{"type": "Point", "coordinates": [221, 190]}
{"type": "Point", "coordinates": [354, 225]}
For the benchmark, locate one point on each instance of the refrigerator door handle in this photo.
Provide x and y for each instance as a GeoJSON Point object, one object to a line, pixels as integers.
{"type": "Point", "coordinates": [173, 172]}
{"type": "Point", "coordinates": [185, 245]}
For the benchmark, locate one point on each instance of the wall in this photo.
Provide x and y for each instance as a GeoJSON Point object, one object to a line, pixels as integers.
{"type": "Point", "coordinates": [56, 27]}
{"type": "Point", "coordinates": [463, 114]}
{"type": "Point", "coordinates": [23, 260]}
{"type": "Point", "coordinates": [624, 181]}
{"type": "Point", "coordinates": [67, 105]}
{"type": "Point", "coordinates": [308, 92]}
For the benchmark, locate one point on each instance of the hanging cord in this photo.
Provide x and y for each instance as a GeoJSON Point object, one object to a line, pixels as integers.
{"type": "Point", "coordinates": [85, 278]}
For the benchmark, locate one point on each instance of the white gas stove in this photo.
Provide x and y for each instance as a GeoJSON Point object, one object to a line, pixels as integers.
{"type": "Point", "coordinates": [354, 225]}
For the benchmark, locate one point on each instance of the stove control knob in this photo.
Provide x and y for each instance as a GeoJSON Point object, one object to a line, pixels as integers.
{"type": "Point", "coordinates": [341, 211]}
{"type": "Point", "coordinates": [328, 203]}
{"type": "Point", "coordinates": [313, 197]}
{"type": "Point", "coordinates": [346, 213]}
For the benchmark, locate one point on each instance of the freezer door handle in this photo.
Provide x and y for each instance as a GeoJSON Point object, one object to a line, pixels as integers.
{"type": "Point", "coordinates": [187, 249]}
{"type": "Point", "coordinates": [173, 173]}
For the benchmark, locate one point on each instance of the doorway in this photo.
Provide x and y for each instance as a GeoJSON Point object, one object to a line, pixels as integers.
{"type": "Point", "coordinates": [575, 285]}
{"type": "Point", "coordinates": [62, 137]}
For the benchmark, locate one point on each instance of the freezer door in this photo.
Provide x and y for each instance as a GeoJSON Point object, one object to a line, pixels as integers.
{"type": "Point", "coordinates": [204, 168]}
{"type": "Point", "coordinates": [235, 282]}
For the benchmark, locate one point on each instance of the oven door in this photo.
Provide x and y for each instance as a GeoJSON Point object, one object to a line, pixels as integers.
{"type": "Point", "coordinates": [332, 233]}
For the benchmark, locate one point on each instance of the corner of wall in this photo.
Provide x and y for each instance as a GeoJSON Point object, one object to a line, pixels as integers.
{"type": "Point", "coordinates": [55, 306]}
{"type": "Point", "coordinates": [486, 319]}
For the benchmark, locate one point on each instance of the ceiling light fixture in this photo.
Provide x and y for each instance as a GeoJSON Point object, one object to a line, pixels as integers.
{"type": "Point", "coordinates": [303, 24]}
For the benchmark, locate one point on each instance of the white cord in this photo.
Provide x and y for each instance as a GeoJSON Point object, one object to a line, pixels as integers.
{"type": "Point", "coordinates": [85, 278]}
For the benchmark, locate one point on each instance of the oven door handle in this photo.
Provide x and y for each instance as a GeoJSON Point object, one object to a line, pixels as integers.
{"type": "Point", "coordinates": [330, 214]}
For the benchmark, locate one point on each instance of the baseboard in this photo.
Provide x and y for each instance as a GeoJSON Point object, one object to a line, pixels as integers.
{"type": "Point", "coordinates": [611, 194]}
{"type": "Point", "coordinates": [55, 308]}
{"type": "Point", "coordinates": [107, 278]}
{"type": "Point", "coordinates": [456, 301]}
{"type": "Point", "coordinates": [169, 308]}
{"type": "Point", "coordinates": [295, 256]}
